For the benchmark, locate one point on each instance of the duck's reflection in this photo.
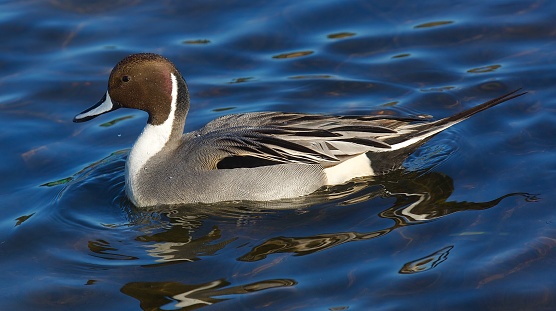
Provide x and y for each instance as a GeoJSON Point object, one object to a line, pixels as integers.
{"type": "Point", "coordinates": [179, 296]}
{"type": "Point", "coordinates": [177, 243]}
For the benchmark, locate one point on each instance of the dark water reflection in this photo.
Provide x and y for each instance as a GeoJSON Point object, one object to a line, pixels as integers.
{"type": "Point", "coordinates": [178, 296]}
{"type": "Point", "coordinates": [428, 262]}
{"type": "Point", "coordinates": [467, 225]}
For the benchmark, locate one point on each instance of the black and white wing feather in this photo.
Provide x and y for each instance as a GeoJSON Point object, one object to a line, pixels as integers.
{"type": "Point", "coordinates": [274, 138]}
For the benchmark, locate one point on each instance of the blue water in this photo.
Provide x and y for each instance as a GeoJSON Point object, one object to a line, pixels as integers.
{"type": "Point", "coordinates": [468, 225]}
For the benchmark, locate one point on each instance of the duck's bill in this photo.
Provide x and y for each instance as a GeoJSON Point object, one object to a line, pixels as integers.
{"type": "Point", "coordinates": [103, 106]}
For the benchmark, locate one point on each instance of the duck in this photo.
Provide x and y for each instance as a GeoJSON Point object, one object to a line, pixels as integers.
{"type": "Point", "coordinates": [255, 156]}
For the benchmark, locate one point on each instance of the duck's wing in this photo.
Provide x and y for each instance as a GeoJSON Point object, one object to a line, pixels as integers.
{"type": "Point", "coordinates": [255, 139]}
{"type": "Point", "coordinates": [275, 138]}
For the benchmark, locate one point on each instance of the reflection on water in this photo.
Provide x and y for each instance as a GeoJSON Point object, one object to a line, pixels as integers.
{"type": "Point", "coordinates": [340, 35]}
{"type": "Point", "coordinates": [179, 296]}
{"type": "Point", "coordinates": [428, 262]}
{"type": "Point", "coordinates": [22, 219]}
{"type": "Point", "coordinates": [293, 54]}
{"type": "Point", "coordinates": [103, 249]}
{"type": "Point", "coordinates": [484, 69]}
{"type": "Point", "coordinates": [176, 244]}
{"type": "Point", "coordinates": [433, 24]}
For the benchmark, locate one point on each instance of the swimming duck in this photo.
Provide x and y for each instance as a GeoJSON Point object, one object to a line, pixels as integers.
{"type": "Point", "coordinates": [257, 156]}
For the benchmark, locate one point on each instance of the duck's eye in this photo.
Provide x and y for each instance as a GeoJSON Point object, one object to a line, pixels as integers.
{"type": "Point", "coordinates": [126, 78]}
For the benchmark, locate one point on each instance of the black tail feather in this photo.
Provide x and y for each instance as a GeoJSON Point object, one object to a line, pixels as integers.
{"type": "Point", "coordinates": [427, 130]}
{"type": "Point", "coordinates": [467, 113]}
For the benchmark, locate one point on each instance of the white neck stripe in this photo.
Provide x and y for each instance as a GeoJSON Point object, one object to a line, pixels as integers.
{"type": "Point", "coordinates": [151, 141]}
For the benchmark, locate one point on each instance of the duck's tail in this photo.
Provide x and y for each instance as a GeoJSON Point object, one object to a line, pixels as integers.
{"type": "Point", "coordinates": [458, 117]}
{"type": "Point", "coordinates": [420, 133]}
{"type": "Point", "coordinates": [416, 134]}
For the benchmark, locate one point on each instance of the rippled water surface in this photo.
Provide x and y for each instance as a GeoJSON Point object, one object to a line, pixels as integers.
{"type": "Point", "coordinates": [467, 225]}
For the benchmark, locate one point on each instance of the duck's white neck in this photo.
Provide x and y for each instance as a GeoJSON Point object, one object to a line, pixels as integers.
{"type": "Point", "coordinates": [151, 141]}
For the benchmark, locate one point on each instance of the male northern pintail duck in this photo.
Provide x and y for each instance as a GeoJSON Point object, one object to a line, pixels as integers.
{"type": "Point", "coordinates": [257, 156]}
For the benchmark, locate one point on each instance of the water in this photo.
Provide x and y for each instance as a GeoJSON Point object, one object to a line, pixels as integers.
{"type": "Point", "coordinates": [469, 225]}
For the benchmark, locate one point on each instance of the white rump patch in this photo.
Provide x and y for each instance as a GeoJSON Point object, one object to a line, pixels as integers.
{"type": "Point", "coordinates": [358, 166]}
